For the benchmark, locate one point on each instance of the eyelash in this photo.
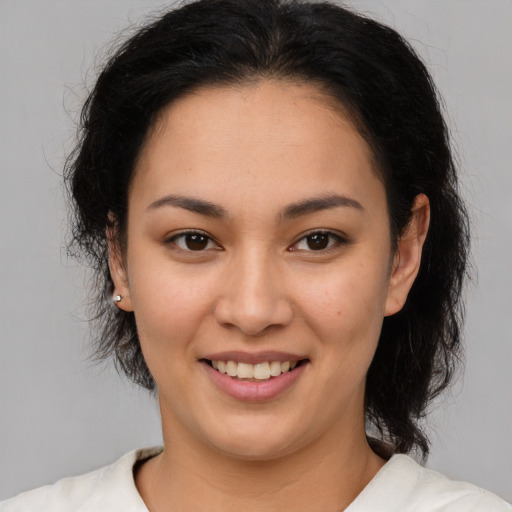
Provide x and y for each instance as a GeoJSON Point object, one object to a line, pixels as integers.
{"type": "Point", "coordinates": [334, 241]}
{"type": "Point", "coordinates": [184, 234]}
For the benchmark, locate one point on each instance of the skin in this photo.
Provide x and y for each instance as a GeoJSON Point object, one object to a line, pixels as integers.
{"type": "Point", "coordinates": [253, 151]}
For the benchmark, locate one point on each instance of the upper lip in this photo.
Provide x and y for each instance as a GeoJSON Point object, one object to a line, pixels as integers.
{"type": "Point", "coordinates": [255, 357]}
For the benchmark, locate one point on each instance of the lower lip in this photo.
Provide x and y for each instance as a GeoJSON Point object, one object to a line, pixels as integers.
{"type": "Point", "coordinates": [253, 391]}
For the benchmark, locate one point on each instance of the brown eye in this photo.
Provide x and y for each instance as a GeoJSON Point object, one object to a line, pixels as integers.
{"type": "Point", "coordinates": [318, 241]}
{"type": "Point", "coordinates": [193, 242]}
{"type": "Point", "coordinates": [196, 242]}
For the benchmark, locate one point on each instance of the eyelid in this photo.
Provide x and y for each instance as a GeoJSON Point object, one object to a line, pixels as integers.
{"type": "Point", "coordinates": [341, 239]}
{"type": "Point", "coordinates": [171, 240]}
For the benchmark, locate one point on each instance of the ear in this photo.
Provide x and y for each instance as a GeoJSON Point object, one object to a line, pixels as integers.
{"type": "Point", "coordinates": [406, 261]}
{"type": "Point", "coordinates": [117, 267]}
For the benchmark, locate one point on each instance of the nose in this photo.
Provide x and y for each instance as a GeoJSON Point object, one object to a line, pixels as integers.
{"type": "Point", "coordinates": [253, 295]}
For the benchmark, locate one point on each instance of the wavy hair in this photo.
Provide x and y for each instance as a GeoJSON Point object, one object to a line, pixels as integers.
{"type": "Point", "coordinates": [375, 76]}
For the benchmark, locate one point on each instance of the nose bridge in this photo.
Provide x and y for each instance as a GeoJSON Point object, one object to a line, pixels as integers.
{"type": "Point", "coordinates": [254, 294]}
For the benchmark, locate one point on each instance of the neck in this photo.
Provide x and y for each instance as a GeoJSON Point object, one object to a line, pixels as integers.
{"type": "Point", "coordinates": [326, 476]}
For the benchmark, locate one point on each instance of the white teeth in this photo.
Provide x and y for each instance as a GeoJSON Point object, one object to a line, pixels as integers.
{"type": "Point", "coordinates": [275, 368]}
{"type": "Point", "coordinates": [231, 368]}
{"type": "Point", "coordinates": [245, 371]}
{"type": "Point", "coordinates": [259, 371]}
{"type": "Point", "coordinates": [262, 371]}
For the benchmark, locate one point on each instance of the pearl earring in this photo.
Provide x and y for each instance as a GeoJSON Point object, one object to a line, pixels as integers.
{"type": "Point", "coordinates": [118, 298]}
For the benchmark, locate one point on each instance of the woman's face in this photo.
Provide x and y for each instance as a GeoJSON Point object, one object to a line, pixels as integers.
{"type": "Point", "coordinates": [258, 233]}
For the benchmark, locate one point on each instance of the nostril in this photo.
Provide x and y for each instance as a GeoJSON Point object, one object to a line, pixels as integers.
{"type": "Point", "coordinates": [253, 313]}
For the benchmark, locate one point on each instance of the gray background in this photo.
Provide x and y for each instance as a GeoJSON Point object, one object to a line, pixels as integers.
{"type": "Point", "coordinates": [61, 415]}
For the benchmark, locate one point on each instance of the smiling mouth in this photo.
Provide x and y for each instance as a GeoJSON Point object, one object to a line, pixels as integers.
{"type": "Point", "coordinates": [263, 371]}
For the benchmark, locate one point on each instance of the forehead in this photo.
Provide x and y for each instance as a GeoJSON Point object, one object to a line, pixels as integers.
{"type": "Point", "coordinates": [255, 138]}
{"type": "Point", "coordinates": [262, 111]}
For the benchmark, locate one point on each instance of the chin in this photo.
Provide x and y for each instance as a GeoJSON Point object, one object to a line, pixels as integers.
{"type": "Point", "coordinates": [254, 442]}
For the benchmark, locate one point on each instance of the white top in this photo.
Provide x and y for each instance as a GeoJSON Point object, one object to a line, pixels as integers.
{"type": "Point", "coordinates": [401, 485]}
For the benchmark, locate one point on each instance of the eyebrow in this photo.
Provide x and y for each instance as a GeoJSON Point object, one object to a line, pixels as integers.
{"type": "Point", "coordinates": [291, 211]}
{"type": "Point", "coordinates": [317, 204]}
{"type": "Point", "coordinates": [192, 204]}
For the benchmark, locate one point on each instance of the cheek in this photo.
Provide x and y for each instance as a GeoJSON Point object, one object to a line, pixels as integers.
{"type": "Point", "coordinates": [345, 306]}
{"type": "Point", "coordinates": [169, 305]}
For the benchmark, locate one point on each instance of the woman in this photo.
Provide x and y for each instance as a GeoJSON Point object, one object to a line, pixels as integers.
{"type": "Point", "coordinates": [267, 193]}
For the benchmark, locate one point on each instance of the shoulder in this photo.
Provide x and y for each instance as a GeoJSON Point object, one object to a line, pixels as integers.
{"type": "Point", "coordinates": [402, 484]}
{"type": "Point", "coordinates": [109, 488]}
